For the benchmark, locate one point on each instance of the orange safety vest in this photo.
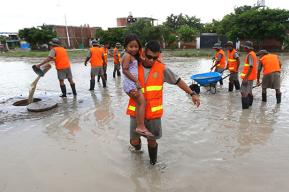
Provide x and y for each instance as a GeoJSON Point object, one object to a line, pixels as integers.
{"type": "Point", "coordinates": [96, 57]}
{"type": "Point", "coordinates": [253, 74]}
{"type": "Point", "coordinates": [270, 63]}
{"type": "Point", "coordinates": [232, 62]}
{"type": "Point", "coordinates": [61, 58]}
{"type": "Point", "coordinates": [105, 53]}
{"type": "Point", "coordinates": [116, 56]}
{"type": "Point", "coordinates": [222, 63]}
{"type": "Point", "coordinates": [152, 90]}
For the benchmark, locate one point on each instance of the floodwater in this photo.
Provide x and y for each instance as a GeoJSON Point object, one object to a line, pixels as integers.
{"type": "Point", "coordinates": [83, 144]}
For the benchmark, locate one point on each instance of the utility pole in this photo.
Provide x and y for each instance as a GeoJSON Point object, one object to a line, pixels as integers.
{"type": "Point", "coordinates": [67, 33]}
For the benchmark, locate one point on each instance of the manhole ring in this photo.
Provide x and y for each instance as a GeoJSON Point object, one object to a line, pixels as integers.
{"type": "Point", "coordinates": [24, 102]}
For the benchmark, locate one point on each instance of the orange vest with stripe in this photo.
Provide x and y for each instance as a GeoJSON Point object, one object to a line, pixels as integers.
{"type": "Point", "coordinates": [232, 62]}
{"type": "Point", "coordinates": [270, 64]}
{"type": "Point", "coordinates": [61, 58]}
{"type": "Point", "coordinates": [222, 62]}
{"type": "Point", "coordinates": [116, 56]}
{"type": "Point", "coordinates": [105, 52]}
{"type": "Point", "coordinates": [152, 90]}
{"type": "Point", "coordinates": [96, 57]}
{"type": "Point", "coordinates": [253, 74]}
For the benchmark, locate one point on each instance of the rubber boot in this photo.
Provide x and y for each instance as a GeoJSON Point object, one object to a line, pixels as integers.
{"type": "Point", "coordinates": [264, 97]}
{"type": "Point", "coordinates": [98, 78]}
{"type": "Point", "coordinates": [231, 87]}
{"type": "Point", "coordinates": [105, 76]}
{"type": "Point", "coordinates": [63, 90]}
{"type": "Point", "coordinates": [245, 103]}
{"type": "Point", "coordinates": [103, 82]}
{"type": "Point", "coordinates": [113, 75]}
{"type": "Point", "coordinates": [221, 82]}
{"type": "Point", "coordinates": [118, 73]}
{"type": "Point", "coordinates": [237, 85]}
{"type": "Point", "coordinates": [137, 147]}
{"type": "Point", "coordinates": [278, 97]}
{"type": "Point", "coordinates": [92, 84]}
{"type": "Point", "coordinates": [153, 153]}
{"type": "Point", "coordinates": [73, 89]}
{"type": "Point", "coordinates": [251, 98]}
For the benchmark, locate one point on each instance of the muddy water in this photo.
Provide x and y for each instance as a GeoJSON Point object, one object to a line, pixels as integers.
{"type": "Point", "coordinates": [83, 144]}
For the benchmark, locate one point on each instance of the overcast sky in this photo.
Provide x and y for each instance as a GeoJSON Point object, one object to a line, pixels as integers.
{"type": "Point", "coordinates": [17, 14]}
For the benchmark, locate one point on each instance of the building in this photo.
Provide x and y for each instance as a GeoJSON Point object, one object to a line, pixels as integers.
{"type": "Point", "coordinates": [124, 21]}
{"type": "Point", "coordinates": [12, 40]}
{"type": "Point", "coordinates": [75, 36]}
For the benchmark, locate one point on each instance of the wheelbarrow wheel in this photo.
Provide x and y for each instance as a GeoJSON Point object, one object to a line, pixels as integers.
{"type": "Point", "coordinates": [213, 88]}
{"type": "Point", "coordinates": [195, 88]}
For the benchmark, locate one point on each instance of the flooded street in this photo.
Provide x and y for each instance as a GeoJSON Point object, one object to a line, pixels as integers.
{"type": "Point", "coordinates": [83, 144]}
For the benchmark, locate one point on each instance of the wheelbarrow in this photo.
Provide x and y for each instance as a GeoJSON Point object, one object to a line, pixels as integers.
{"type": "Point", "coordinates": [208, 80]}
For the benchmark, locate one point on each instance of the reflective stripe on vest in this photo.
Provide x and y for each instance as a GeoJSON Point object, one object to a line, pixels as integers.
{"type": "Point", "coordinates": [153, 109]}
{"type": "Point", "coordinates": [61, 58]}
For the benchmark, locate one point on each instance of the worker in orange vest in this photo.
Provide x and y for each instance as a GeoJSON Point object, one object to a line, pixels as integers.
{"type": "Point", "coordinates": [219, 60]}
{"type": "Point", "coordinates": [248, 75]}
{"type": "Point", "coordinates": [233, 64]}
{"type": "Point", "coordinates": [59, 55]}
{"type": "Point", "coordinates": [271, 65]}
{"type": "Point", "coordinates": [105, 54]}
{"type": "Point", "coordinates": [96, 57]}
{"type": "Point", "coordinates": [151, 75]}
{"type": "Point", "coordinates": [116, 59]}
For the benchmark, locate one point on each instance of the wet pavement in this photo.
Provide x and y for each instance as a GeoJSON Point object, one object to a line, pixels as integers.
{"type": "Point", "coordinates": [83, 144]}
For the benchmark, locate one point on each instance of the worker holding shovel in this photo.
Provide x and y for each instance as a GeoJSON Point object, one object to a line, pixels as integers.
{"type": "Point", "coordinates": [219, 60]}
{"type": "Point", "coordinates": [59, 55]}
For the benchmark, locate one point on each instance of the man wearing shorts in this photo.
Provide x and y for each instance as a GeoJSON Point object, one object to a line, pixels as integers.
{"type": "Point", "coordinates": [96, 57]}
{"type": "Point", "coordinates": [233, 66]}
{"type": "Point", "coordinates": [58, 54]}
{"type": "Point", "coordinates": [152, 75]}
{"type": "Point", "coordinates": [220, 60]}
{"type": "Point", "coordinates": [248, 75]}
{"type": "Point", "coordinates": [271, 73]}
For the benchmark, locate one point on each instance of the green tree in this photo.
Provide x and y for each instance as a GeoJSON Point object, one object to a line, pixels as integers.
{"type": "Point", "coordinates": [37, 36]}
{"type": "Point", "coordinates": [187, 33]}
{"type": "Point", "coordinates": [255, 23]}
{"type": "Point", "coordinates": [212, 27]}
{"type": "Point", "coordinates": [174, 22]}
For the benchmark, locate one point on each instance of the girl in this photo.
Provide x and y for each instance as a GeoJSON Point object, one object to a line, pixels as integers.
{"type": "Point", "coordinates": [131, 84]}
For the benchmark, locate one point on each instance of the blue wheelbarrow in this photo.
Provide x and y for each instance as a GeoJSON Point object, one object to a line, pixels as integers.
{"type": "Point", "coordinates": [208, 80]}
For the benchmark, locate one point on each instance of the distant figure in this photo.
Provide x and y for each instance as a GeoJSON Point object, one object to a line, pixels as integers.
{"type": "Point", "coordinates": [271, 65]}
{"type": "Point", "coordinates": [219, 60]}
{"type": "Point", "coordinates": [116, 59]}
{"type": "Point", "coordinates": [233, 66]}
{"type": "Point", "coordinates": [151, 76]}
{"type": "Point", "coordinates": [59, 55]}
{"type": "Point", "coordinates": [131, 84]}
{"type": "Point", "coordinates": [249, 74]}
{"type": "Point", "coordinates": [96, 57]}
{"type": "Point", "coordinates": [105, 54]}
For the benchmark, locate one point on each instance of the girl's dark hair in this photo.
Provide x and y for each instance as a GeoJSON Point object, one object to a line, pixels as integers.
{"type": "Point", "coordinates": [133, 37]}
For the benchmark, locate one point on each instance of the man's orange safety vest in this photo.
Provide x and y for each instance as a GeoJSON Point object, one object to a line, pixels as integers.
{"type": "Point", "coordinates": [253, 74]}
{"type": "Point", "coordinates": [232, 62]}
{"type": "Point", "coordinates": [116, 56]}
{"type": "Point", "coordinates": [105, 55]}
{"type": "Point", "coordinates": [61, 58]}
{"type": "Point", "coordinates": [96, 57]}
{"type": "Point", "coordinates": [270, 63]}
{"type": "Point", "coordinates": [222, 62]}
{"type": "Point", "coordinates": [152, 90]}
